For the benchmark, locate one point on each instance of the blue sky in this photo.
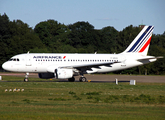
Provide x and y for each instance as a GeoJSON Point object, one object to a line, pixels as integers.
{"type": "Point", "coordinates": [99, 13]}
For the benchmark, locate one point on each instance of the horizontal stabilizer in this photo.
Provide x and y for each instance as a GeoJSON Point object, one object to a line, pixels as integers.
{"type": "Point", "coordinates": [149, 58]}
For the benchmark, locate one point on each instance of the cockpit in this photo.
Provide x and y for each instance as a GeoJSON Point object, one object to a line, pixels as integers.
{"type": "Point", "coordinates": [14, 59]}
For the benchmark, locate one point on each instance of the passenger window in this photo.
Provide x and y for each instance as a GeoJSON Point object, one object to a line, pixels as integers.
{"type": "Point", "coordinates": [17, 59]}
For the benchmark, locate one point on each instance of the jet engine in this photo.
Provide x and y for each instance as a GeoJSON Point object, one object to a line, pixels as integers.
{"type": "Point", "coordinates": [63, 73]}
{"type": "Point", "coordinates": [46, 75]}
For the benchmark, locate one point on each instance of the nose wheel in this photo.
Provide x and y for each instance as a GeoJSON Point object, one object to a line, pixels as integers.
{"type": "Point", "coordinates": [26, 80]}
{"type": "Point", "coordinates": [26, 77]}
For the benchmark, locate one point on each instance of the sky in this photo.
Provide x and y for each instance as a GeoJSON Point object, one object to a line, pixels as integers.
{"type": "Point", "coordinates": [99, 13]}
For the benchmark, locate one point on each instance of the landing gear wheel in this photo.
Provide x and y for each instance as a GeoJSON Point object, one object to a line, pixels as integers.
{"type": "Point", "coordinates": [26, 77]}
{"type": "Point", "coordinates": [71, 79]}
{"type": "Point", "coordinates": [82, 79]}
{"type": "Point", "coordinates": [26, 80]}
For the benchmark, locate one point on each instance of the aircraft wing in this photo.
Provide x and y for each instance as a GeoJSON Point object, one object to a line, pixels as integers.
{"type": "Point", "coordinates": [90, 65]}
{"type": "Point", "coordinates": [81, 66]}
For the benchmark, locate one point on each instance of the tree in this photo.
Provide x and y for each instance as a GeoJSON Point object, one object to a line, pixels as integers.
{"type": "Point", "coordinates": [4, 37]}
{"type": "Point", "coordinates": [80, 34]}
{"type": "Point", "coordinates": [126, 37]}
{"type": "Point", "coordinates": [15, 38]}
{"type": "Point", "coordinates": [52, 34]}
{"type": "Point", "coordinates": [109, 36]}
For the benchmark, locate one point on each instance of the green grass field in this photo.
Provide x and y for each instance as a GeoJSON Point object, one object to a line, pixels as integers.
{"type": "Point", "coordinates": [82, 101]}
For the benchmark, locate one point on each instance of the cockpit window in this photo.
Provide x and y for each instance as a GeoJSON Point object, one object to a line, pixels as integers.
{"type": "Point", "coordinates": [14, 59]}
{"type": "Point", "coordinates": [11, 59]}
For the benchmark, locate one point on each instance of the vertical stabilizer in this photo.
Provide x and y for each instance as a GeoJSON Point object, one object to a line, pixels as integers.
{"type": "Point", "coordinates": [142, 41]}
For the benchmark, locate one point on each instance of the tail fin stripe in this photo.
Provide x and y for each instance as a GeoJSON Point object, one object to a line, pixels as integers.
{"type": "Point", "coordinates": [140, 47]}
{"type": "Point", "coordinates": [137, 42]}
{"type": "Point", "coordinates": [144, 40]}
{"type": "Point", "coordinates": [147, 43]}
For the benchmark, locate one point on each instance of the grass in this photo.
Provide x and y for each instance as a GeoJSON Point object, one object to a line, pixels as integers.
{"type": "Point", "coordinates": [76, 100]}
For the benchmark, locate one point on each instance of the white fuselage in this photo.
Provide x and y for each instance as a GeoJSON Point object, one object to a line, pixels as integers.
{"type": "Point", "coordinates": [42, 63]}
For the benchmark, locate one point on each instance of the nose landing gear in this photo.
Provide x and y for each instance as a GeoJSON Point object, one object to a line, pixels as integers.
{"type": "Point", "coordinates": [26, 77]}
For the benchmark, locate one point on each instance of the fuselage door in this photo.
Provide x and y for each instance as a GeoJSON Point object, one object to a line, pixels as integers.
{"type": "Point", "coordinates": [28, 60]}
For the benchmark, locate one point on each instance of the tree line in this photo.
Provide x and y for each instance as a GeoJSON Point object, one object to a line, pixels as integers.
{"type": "Point", "coordinates": [51, 36]}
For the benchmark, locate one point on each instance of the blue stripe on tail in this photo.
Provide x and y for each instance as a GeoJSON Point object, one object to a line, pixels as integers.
{"type": "Point", "coordinates": [144, 39]}
{"type": "Point", "coordinates": [137, 42]}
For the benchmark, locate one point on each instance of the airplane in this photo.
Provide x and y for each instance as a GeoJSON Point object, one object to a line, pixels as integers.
{"type": "Point", "coordinates": [66, 66]}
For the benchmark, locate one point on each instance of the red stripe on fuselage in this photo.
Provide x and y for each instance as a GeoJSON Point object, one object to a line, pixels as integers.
{"type": "Point", "coordinates": [147, 43]}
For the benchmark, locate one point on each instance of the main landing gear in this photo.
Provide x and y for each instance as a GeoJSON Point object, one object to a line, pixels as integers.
{"type": "Point", "coordinates": [81, 79]}
{"type": "Point", "coordinates": [26, 77]}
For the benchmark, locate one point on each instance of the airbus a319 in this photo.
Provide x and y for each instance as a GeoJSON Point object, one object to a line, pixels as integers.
{"type": "Point", "coordinates": [66, 66]}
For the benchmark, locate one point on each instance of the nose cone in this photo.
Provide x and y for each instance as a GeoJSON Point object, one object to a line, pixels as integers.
{"type": "Point", "coordinates": [5, 66]}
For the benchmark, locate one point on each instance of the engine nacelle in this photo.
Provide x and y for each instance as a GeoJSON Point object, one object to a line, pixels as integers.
{"type": "Point", "coordinates": [63, 73]}
{"type": "Point", "coordinates": [46, 75]}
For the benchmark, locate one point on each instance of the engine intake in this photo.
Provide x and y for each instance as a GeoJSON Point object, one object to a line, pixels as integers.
{"type": "Point", "coordinates": [63, 73]}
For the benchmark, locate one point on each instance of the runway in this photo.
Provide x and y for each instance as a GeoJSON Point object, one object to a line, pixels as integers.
{"type": "Point", "coordinates": [126, 78]}
{"type": "Point", "coordinates": [99, 78]}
